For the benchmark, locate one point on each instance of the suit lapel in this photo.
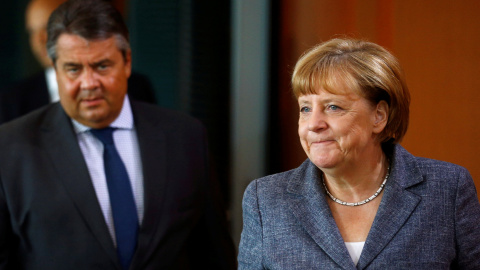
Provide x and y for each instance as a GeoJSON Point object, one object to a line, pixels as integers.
{"type": "Point", "coordinates": [67, 159]}
{"type": "Point", "coordinates": [153, 150]}
{"type": "Point", "coordinates": [309, 206]}
{"type": "Point", "coordinates": [396, 207]}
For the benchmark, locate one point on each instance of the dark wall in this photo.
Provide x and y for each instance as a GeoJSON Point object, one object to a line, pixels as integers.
{"type": "Point", "coordinates": [16, 59]}
{"type": "Point", "coordinates": [184, 47]}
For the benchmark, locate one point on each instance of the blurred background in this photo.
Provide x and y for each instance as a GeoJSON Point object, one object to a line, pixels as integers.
{"type": "Point", "coordinates": [228, 63]}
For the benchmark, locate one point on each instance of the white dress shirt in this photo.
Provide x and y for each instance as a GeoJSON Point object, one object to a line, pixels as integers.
{"type": "Point", "coordinates": [126, 142]}
{"type": "Point", "coordinates": [355, 250]}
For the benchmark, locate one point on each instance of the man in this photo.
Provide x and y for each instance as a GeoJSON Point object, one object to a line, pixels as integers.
{"type": "Point", "coordinates": [67, 201]}
{"type": "Point", "coordinates": [40, 89]}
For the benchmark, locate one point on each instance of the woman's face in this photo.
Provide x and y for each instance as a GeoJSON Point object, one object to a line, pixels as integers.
{"type": "Point", "coordinates": [339, 130]}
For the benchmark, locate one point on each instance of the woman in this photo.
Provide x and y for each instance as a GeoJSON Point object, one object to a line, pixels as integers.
{"type": "Point", "coordinates": [360, 200]}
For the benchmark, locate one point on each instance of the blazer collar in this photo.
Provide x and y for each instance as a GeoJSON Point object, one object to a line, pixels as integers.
{"type": "Point", "coordinates": [310, 207]}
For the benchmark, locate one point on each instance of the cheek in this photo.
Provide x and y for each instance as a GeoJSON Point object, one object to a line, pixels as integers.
{"type": "Point", "coordinates": [354, 135]}
{"type": "Point", "coordinates": [302, 134]}
{"type": "Point", "coordinates": [108, 81]}
{"type": "Point", "coordinates": [302, 131]}
{"type": "Point", "coordinates": [114, 86]}
{"type": "Point", "coordinates": [67, 89]}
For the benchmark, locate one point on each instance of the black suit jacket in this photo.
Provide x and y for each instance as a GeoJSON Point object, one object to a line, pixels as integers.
{"type": "Point", "coordinates": [32, 93]}
{"type": "Point", "coordinates": [50, 217]}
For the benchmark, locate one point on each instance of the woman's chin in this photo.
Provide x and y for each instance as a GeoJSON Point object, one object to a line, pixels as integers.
{"type": "Point", "coordinates": [325, 163]}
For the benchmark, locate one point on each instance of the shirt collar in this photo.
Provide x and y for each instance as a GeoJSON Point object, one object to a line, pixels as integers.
{"type": "Point", "coordinates": [123, 121]}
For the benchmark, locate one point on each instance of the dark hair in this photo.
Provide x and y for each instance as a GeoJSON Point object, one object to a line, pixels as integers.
{"type": "Point", "coordinates": [89, 19]}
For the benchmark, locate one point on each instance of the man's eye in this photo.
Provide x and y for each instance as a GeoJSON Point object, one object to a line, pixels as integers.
{"type": "Point", "coordinates": [72, 70]}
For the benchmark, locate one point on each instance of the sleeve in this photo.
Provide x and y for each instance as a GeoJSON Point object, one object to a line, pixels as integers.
{"type": "Point", "coordinates": [251, 243]}
{"type": "Point", "coordinates": [467, 223]}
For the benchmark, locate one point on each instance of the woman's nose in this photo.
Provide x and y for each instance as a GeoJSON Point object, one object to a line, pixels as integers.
{"type": "Point", "coordinates": [317, 121]}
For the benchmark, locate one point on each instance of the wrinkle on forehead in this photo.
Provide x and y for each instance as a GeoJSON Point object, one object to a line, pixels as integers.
{"type": "Point", "coordinates": [71, 46]}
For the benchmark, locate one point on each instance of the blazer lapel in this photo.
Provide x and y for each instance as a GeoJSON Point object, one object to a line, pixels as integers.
{"type": "Point", "coordinates": [309, 206]}
{"type": "Point", "coordinates": [153, 150]}
{"type": "Point", "coordinates": [396, 207]}
{"type": "Point", "coordinates": [67, 158]}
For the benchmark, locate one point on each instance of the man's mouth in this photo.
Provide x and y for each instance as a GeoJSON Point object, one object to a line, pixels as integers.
{"type": "Point", "coordinates": [92, 101]}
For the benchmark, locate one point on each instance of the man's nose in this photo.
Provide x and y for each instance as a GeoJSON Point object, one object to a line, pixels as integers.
{"type": "Point", "coordinates": [89, 80]}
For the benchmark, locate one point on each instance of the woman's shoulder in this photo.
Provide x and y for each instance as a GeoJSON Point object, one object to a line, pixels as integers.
{"type": "Point", "coordinates": [427, 168]}
{"type": "Point", "coordinates": [274, 183]}
{"type": "Point", "coordinates": [429, 165]}
{"type": "Point", "coordinates": [273, 194]}
{"type": "Point", "coordinates": [281, 179]}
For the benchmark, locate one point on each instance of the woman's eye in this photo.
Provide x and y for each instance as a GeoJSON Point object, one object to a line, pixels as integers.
{"type": "Point", "coordinates": [333, 107]}
{"type": "Point", "coordinates": [305, 109]}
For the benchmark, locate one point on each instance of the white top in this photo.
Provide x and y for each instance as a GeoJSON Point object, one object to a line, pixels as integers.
{"type": "Point", "coordinates": [126, 142]}
{"type": "Point", "coordinates": [355, 249]}
{"type": "Point", "coordinates": [51, 78]}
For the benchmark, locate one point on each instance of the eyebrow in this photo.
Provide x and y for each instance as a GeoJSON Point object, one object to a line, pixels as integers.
{"type": "Point", "coordinates": [70, 64]}
{"type": "Point", "coordinates": [95, 64]}
{"type": "Point", "coordinates": [101, 62]}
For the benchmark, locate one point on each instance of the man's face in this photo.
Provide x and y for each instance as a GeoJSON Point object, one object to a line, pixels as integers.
{"type": "Point", "coordinates": [92, 79]}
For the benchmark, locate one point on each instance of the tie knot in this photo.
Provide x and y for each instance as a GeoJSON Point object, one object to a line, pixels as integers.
{"type": "Point", "coordinates": [105, 135]}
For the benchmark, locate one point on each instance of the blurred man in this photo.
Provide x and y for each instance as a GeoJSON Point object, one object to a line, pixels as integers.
{"type": "Point", "coordinates": [36, 18]}
{"type": "Point", "coordinates": [40, 89]}
{"type": "Point", "coordinates": [101, 182]}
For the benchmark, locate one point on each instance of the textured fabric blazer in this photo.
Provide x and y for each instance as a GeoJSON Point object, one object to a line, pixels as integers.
{"type": "Point", "coordinates": [429, 218]}
{"type": "Point", "coordinates": [32, 93]}
{"type": "Point", "coordinates": [50, 217]}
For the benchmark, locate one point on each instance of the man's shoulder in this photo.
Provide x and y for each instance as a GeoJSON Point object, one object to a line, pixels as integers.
{"type": "Point", "coordinates": [30, 122]}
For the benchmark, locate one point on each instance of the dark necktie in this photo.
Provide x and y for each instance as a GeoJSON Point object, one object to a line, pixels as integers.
{"type": "Point", "coordinates": [124, 211]}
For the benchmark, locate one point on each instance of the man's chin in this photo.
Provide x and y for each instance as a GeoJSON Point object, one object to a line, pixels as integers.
{"type": "Point", "coordinates": [96, 119]}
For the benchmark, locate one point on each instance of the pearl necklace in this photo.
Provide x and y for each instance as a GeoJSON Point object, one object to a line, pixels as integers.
{"type": "Point", "coordinates": [361, 202]}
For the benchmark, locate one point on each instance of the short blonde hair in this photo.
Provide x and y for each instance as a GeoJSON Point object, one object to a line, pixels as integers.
{"type": "Point", "coordinates": [353, 65]}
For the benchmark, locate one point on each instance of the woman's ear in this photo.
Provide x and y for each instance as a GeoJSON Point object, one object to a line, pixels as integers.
{"type": "Point", "coordinates": [381, 116]}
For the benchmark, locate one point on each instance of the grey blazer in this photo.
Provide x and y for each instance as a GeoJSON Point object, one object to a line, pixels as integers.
{"type": "Point", "coordinates": [429, 218]}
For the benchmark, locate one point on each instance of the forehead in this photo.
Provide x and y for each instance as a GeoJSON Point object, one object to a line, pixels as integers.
{"type": "Point", "coordinates": [334, 83]}
{"type": "Point", "coordinates": [322, 94]}
{"type": "Point", "coordinates": [75, 48]}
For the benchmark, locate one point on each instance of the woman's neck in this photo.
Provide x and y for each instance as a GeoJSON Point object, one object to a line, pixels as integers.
{"type": "Point", "coordinates": [357, 182]}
